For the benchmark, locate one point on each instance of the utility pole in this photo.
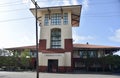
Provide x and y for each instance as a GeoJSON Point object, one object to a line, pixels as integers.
{"type": "Point", "coordinates": [37, 58]}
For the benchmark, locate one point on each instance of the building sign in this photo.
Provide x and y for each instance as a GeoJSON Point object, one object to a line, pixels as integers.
{"type": "Point", "coordinates": [53, 55]}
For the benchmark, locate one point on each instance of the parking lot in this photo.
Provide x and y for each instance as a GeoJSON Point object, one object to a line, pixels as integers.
{"type": "Point", "coordinates": [4, 74]}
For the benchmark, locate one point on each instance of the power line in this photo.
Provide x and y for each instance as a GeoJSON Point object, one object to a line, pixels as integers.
{"type": "Point", "coordinates": [28, 1]}
{"type": "Point", "coordinates": [9, 20]}
{"type": "Point", "coordinates": [85, 15]}
{"type": "Point", "coordinates": [6, 11]}
{"type": "Point", "coordinates": [16, 3]}
{"type": "Point", "coordinates": [14, 10]}
{"type": "Point", "coordinates": [28, 8]}
{"type": "Point", "coordinates": [9, 2]}
{"type": "Point", "coordinates": [16, 19]}
{"type": "Point", "coordinates": [20, 2]}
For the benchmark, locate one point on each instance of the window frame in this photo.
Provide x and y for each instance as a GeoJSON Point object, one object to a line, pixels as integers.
{"type": "Point", "coordinates": [65, 19]}
{"type": "Point", "coordinates": [56, 19]}
{"type": "Point", "coordinates": [46, 20]}
{"type": "Point", "coordinates": [55, 38]}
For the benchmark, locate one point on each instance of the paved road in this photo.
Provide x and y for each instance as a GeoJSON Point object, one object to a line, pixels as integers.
{"type": "Point", "coordinates": [52, 75]}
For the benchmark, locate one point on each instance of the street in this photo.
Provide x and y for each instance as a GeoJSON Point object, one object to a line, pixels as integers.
{"type": "Point", "coordinates": [4, 74]}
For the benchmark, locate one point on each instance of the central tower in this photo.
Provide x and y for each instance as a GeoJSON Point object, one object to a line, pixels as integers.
{"type": "Point", "coordinates": [55, 44]}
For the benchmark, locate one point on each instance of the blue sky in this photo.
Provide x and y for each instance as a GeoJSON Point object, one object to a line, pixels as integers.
{"type": "Point", "coordinates": [99, 22]}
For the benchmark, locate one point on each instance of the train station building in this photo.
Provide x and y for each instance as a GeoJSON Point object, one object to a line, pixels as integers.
{"type": "Point", "coordinates": [57, 53]}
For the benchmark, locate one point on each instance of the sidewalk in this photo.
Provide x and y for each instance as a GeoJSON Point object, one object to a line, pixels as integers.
{"type": "Point", "coordinates": [4, 74]}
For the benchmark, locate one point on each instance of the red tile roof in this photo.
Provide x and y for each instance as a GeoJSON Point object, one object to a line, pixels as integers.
{"type": "Point", "coordinates": [89, 46]}
{"type": "Point", "coordinates": [75, 46]}
{"type": "Point", "coordinates": [33, 47]}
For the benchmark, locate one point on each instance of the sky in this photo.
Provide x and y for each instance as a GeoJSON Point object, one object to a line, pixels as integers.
{"type": "Point", "coordinates": [99, 22]}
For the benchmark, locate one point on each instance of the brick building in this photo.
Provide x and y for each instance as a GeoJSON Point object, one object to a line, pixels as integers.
{"type": "Point", "coordinates": [57, 53]}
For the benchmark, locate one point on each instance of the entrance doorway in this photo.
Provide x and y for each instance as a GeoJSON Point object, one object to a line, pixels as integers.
{"type": "Point", "coordinates": [52, 65]}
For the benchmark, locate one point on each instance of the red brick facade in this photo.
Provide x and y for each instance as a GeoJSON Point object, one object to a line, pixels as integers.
{"type": "Point", "coordinates": [60, 69]}
{"type": "Point", "coordinates": [53, 51]}
{"type": "Point", "coordinates": [68, 45]}
{"type": "Point", "coordinates": [42, 68]}
{"type": "Point", "coordinates": [42, 44]}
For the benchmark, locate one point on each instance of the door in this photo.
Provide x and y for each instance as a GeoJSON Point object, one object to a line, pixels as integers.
{"type": "Point", "coordinates": [52, 65]}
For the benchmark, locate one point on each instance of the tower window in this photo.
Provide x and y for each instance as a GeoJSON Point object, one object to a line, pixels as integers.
{"type": "Point", "coordinates": [46, 20]}
{"type": "Point", "coordinates": [55, 38]}
{"type": "Point", "coordinates": [65, 18]}
{"type": "Point", "coordinates": [56, 19]}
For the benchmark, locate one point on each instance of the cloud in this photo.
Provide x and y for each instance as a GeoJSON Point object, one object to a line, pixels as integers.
{"type": "Point", "coordinates": [66, 2]}
{"type": "Point", "coordinates": [25, 1]}
{"type": "Point", "coordinates": [85, 4]}
{"type": "Point", "coordinates": [13, 42]}
{"type": "Point", "coordinates": [74, 2]}
{"type": "Point", "coordinates": [70, 2]}
{"type": "Point", "coordinates": [77, 38]}
{"type": "Point", "coordinates": [116, 36]}
{"type": "Point", "coordinates": [47, 3]}
{"type": "Point", "coordinates": [111, 30]}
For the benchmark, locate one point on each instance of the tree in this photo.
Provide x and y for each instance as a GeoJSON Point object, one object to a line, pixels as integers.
{"type": "Point", "coordinates": [0, 52]}
{"type": "Point", "coordinates": [9, 62]}
{"type": "Point", "coordinates": [25, 58]}
{"type": "Point", "coordinates": [113, 61]}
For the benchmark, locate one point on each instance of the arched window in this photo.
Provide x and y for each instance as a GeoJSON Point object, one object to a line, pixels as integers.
{"type": "Point", "coordinates": [56, 38]}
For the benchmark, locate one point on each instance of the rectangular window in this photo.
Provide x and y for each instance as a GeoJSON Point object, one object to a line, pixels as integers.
{"type": "Point", "coordinates": [33, 54]}
{"type": "Point", "coordinates": [46, 20]}
{"type": "Point", "coordinates": [56, 19]}
{"type": "Point", "coordinates": [81, 54]}
{"type": "Point", "coordinates": [55, 38]}
{"type": "Point", "coordinates": [55, 46]}
{"type": "Point", "coordinates": [65, 18]}
{"type": "Point", "coordinates": [92, 54]}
